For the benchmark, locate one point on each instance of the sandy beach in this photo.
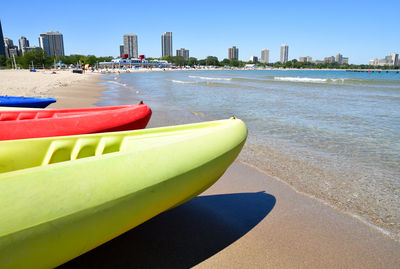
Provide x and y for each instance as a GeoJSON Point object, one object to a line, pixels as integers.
{"type": "Point", "coordinates": [247, 219]}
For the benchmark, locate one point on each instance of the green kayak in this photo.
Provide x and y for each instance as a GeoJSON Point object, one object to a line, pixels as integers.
{"type": "Point", "coordinates": [63, 196]}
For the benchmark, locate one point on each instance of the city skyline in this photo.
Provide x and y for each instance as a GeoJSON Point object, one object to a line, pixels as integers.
{"type": "Point", "coordinates": [307, 27]}
{"type": "Point", "coordinates": [52, 43]}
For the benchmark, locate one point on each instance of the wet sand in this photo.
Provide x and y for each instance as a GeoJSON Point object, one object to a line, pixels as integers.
{"type": "Point", "coordinates": [80, 94]}
{"type": "Point", "coordinates": [247, 219]}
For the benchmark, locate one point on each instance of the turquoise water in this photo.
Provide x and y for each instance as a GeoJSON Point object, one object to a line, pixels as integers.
{"type": "Point", "coordinates": [334, 135]}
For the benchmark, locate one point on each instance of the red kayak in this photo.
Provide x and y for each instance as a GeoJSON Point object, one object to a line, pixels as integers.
{"type": "Point", "coordinates": [57, 122]}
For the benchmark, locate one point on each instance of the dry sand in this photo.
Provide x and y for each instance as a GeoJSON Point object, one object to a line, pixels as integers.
{"type": "Point", "coordinates": [246, 220]}
{"type": "Point", "coordinates": [40, 83]}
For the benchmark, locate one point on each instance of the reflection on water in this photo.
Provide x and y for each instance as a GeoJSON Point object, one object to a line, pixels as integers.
{"type": "Point", "coordinates": [333, 134]}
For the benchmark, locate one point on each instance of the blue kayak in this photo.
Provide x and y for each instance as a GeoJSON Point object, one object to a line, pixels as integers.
{"type": "Point", "coordinates": [17, 101]}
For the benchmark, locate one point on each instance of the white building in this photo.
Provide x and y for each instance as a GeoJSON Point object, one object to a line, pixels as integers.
{"type": "Point", "coordinates": [391, 60]}
{"type": "Point", "coordinates": [166, 44]}
{"type": "Point", "coordinates": [131, 45]}
{"type": "Point", "coordinates": [265, 56]}
{"type": "Point", "coordinates": [284, 53]}
{"type": "Point", "coordinates": [394, 59]}
{"type": "Point", "coordinates": [306, 59]}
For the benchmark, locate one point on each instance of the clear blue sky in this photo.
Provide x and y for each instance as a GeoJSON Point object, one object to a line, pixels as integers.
{"type": "Point", "coordinates": [361, 30]}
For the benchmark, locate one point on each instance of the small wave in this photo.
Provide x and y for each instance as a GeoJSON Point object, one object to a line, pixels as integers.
{"type": "Point", "coordinates": [337, 80]}
{"type": "Point", "coordinates": [298, 79]}
{"type": "Point", "coordinates": [182, 82]}
{"type": "Point", "coordinates": [210, 78]}
{"type": "Point", "coordinates": [116, 83]}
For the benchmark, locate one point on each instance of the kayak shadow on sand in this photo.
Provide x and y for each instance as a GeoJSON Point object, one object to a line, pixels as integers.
{"type": "Point", "coordinates": [184, 236]}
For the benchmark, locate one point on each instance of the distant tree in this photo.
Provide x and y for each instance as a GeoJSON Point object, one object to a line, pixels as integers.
{"type": "Point", "coordinates": [212, 60]}
{"type": "Point", "coordinates": [91, 60]}
{"type": "Point", "coordinates": [168, 58]}
{"type": "Point", "coordinates": [9, 62]}
{"type": "Point", "coordinates": [36, 57]}
{"type": "Point", "coordinates": [178, 60]}
{"type": "Point", "coordinates": [107, 59]}
{"type": "Point", "coordinates": [192, 61]}
{"type": "Point", "coordinates": [225, 62]}
{"type": "Point", "coordinates": [235, 63]}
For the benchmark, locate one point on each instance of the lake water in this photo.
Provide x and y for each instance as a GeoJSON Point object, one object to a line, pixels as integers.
{"type": "Point", "coordinates": [333, 135]}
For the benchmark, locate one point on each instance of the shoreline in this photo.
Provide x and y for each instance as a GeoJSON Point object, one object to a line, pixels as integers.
{"type": "Point", "coordinates": [287, 229]}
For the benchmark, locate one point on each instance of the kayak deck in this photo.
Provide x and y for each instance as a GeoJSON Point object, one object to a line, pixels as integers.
{"type": "Point", "coordinates": [73, 193]}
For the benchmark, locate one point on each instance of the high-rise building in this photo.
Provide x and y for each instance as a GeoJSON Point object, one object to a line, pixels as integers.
{"type": "Point", "coordinates": [394, 59]}
{"type": "Point", "coordinates": [131, 45]}
{"type": "Point", "coordinates": [284, 53]}
{"type": "Point", "coordinates": [52, 43]}
{"type": "Point", "coordinates": [183, 52]}
{"type": "Point", "coordinates": [233, 53]}
{"type": "Point", "coordinates": [121, 50]}
{"type": "Point", "coordinates": [166, 44]}
{"type": "Point", "coordinates": [339, 58]}
{"type": "Point", "coordinates": [9, 48]}
{"type": "Point", "coordinates": [2, 46]}
{"type": "Point", "coordinates": [264, 56]}
{"type": "Point", "coordinates": [23, 43]}
{"type": "Point", "coordinates": [345, 60]}
{"type": "Point", "coordinates": [8, 42]}
{"type": "Point", "coordinates": [330, 59]}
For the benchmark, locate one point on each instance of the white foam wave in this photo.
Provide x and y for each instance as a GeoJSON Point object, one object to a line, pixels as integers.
{"type": "Point", "coordinates": [182, 82]}
{"type": "Point", "coordinates": [298, 79]}
{"type": "Point", "coordinates": [210, 78]}
{"type": "Point", "coordinates": [117, 83]}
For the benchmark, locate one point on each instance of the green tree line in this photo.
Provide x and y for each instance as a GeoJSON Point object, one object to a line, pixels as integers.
{"type": "Point", "coordinates": [39, 58]}
{"type": "Point", "coordinates": [209, 61]}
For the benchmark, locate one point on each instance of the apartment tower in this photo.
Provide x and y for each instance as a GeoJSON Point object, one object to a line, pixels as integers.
{"type": "Point", "coordinates": [233, 53]}
{"type": "Point", "coordinates": [284, 53]}
{"type": "Point", "coordinates": [23, 44]}
{"type": "Point", "coordinates": [265, 56]}
{"type": "Point", "coordinates": [166, 44]}
{"type": "Point", "coordinates": [131, 45]}
{"type": "Point", "coordinates": [183, 52]}
{"type": "Point", "coordinates": [52, 43]}
{"type": "Point", "coordinates": [339, 58]}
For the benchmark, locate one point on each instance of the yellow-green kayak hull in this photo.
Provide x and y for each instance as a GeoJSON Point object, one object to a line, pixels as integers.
{"type": "Point", "coordinates": [61, 197]}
